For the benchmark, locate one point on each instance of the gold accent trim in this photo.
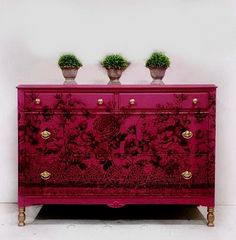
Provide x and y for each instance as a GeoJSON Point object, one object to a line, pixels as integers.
{"type": "Point", "coordinates": [210, 217]}
{"type": "Point", "coordinates": [187, 175]}
{"type": "Point", "coordinates": [100, 101]}
{"type": "Point", "coordinates": [45, 175]}
{"type": "Point", "coordinates": [45, 134]}
{"type": "Point", "coordinates": [187, 134]}
{"type": "Point", "coordinates": [21, 217]}
{"type": "Point", "coordinates": [132, 101]}
{"type": "Point", "coordinates": [195, 101]}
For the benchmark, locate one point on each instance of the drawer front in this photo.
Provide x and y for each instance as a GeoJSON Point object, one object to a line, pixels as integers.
{"type": "Point", "coordinates": [163, 100]}
{"type": "Point", "coordinates": [108, 134]}
{"type": "Point", "coordinates": [143, 175]}
{"type": "Point", "coordinates": [67, 101]}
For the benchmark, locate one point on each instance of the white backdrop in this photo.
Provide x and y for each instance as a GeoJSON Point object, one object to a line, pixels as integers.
{"type": "Point", "coordinates": [198, 35]}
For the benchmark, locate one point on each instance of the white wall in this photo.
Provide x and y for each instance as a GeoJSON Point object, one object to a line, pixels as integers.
{"type": "Point", "coordinates": [198, 35]}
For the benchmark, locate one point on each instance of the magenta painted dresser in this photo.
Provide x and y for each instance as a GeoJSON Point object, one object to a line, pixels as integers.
{"type": "Point", "coordinates": [116, 145]}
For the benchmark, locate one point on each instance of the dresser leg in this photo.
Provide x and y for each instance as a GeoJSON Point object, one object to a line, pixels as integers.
{"type": "Point", "coordinates": [210, 216]}
{"type": "Point", "coordinates": [21, 217]}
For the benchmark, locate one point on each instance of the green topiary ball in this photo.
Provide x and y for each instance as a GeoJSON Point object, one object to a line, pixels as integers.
{"type": "Point", "coordinates": [158, 59]}
{"type": "Point", "coordinates": [115, 61]}
{"type": "Point", "coordinates": [69, 61]}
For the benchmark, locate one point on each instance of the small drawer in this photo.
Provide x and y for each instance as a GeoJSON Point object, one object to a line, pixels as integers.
{"type": "Point", "coordinates": [67, 101]}
{"type": "Point", "coordinates": [160, 101]}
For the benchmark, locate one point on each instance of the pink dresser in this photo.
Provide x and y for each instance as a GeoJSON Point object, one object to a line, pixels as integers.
{"type": "Point", "coordinates": [116, 145]}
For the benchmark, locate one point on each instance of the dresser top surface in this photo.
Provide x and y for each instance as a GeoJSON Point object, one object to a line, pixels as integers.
{"type": "Point", "coordinates": [117, 87]}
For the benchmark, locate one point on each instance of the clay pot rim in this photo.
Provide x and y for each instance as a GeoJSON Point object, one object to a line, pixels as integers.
{"type": "Point", "coordinates": [164, 68]}
{"type": "Point", "coordinates": [69, 68]}
{"type": "Point", "coordinates": [122, 69]}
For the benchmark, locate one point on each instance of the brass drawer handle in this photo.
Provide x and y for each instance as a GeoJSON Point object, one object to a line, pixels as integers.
{"type": "Point", "coordinates": [100, 101]}
{"type": "Point", "coordinates": [187, 175]}
{"type": "Point", "coordinates": [45, 175]}
{"type": "Point", "coordinates": [45, 134]}
{"type": "Point", "coordinates": [195, 101]}
{"type": "Point", "coordinates": [37, 101]}
{"type": "Point", "coordinates": [132, 101]}
{"type": "Point", "coordinates": [187, 134]}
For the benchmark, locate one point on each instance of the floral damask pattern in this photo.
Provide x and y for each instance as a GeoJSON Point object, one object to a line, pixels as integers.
{"type": "Point", "coordinates": [117, 149]}
{"type": "Point", "coordinates": [106, 127]}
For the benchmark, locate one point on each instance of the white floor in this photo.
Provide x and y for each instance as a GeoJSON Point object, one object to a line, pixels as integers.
{"type": "Point", "coordinates": [158, 229]}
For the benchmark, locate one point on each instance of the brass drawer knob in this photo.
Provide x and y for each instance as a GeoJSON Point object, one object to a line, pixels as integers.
{"type": "Point", "coordinates": [132, 101]}
{"type": "Point", "coordinates": [45, 134]}
{"type": "Point", "coordinates": [100, 101]}
{"type": "Point", "coordinates": [195, 101]}
{"type": "Point", "coordinates": [187, 134]}
{"type": "Point", "coordinates": [187, 175]}
{"type": "Point", "coordinates": [45, 175]}
{"type": "Point", "coordinates": [37, 101]}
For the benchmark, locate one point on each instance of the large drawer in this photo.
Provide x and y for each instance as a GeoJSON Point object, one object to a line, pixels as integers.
{"type": "Point", "coordinates": [144, 172]}
{"type": "Point", "coordinates": [107, 134]}
{"type": "Point", "coordinates": [67, 101]}
{"type": "Point", "coordinates": [163, 100]}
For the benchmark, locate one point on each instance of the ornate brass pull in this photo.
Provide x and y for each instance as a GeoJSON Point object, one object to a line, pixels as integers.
{"type": "Point", "coordinates": [37, 101]}
{"type": "Point", "coordinates": [187, 134]}
{"type": "Point", "coordinates": [187, 175]}
{"type": "Point", "coordinates": [45, 175]}
{"type": "Point", "coordinates": [100, 101]}
{"type": "Point", "coordinates": [195, 101]}
{"type": "Point", "coordinates": [132, 101]}
{"type": "Point", "coordinates": [45, 134]}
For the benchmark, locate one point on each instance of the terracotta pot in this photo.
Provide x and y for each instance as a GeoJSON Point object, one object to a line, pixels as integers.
{"type": "Point", "coordinates": [157, 74]}
{"type": "Point", "coordinates": [114, 75]}
{"type": "Point", "coordinates": [69, 75]}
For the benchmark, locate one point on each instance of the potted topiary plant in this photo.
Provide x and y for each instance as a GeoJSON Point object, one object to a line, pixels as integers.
{"type": "Point", "coordinates": [69, 65]}
{"type": "Point", "coordinates": [157, 63]}
{"type": "Point", "coordinates": [115, 64]}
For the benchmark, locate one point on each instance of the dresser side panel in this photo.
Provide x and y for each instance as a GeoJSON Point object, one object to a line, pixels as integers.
{"type": "Point", "coordinates": [21, 147]}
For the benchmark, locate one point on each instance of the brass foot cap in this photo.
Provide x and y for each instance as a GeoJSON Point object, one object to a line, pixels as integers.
{"type": "Point", "coordinates": [21, 224]}
{"type": "Point", "coordinates": [210, 224]}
